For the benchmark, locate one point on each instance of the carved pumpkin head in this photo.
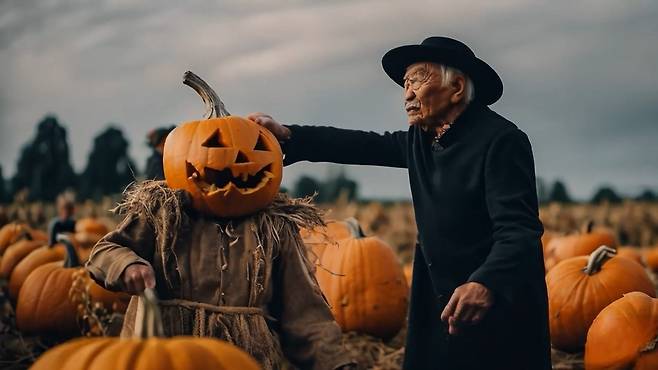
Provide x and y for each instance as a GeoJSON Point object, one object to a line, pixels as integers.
{"type": "Point", "coordinates": [230, 165]}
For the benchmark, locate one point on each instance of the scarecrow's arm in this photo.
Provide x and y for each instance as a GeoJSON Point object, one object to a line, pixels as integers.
{"type": "Point", "coordinates": [330, 144]}
{"type": "Point", "coordinates": [310, 337]}
{"type": "Point", "coordinates": [516, 254]}
{"type": "Point", "coordinates": [131, 242]}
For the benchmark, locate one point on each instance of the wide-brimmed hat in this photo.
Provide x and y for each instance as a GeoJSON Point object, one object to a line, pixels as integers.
{"type": "Point", "coordinates": [488, 85]}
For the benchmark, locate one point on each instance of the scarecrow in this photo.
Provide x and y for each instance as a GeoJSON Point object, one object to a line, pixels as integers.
{"type": "Point", "coordinates": [221, 245]}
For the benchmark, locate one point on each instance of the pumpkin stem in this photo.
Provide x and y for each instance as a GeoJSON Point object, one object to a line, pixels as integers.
{"type": "Point", "coordinates": [597, 258]}
{"type": "Point", "coordinates": [588, 226]}
{"type": "Point", "coordinates": [72, 259]}
{"type": "Point", "coordinates": [25, 233]}
{"type": "Point", "coordinates": [214, 106]}
{"type": "Point", "coordinates": [355, 228]}
{"type": "Point", "coordinates": [650, 346]}
{"type": "Point", "coordinates": [148, 319]}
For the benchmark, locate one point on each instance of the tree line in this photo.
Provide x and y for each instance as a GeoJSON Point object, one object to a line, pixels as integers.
{"type": "Point", "coordinates": [44, 170]}
{"type": "Point", "coordinates": [44, 167]}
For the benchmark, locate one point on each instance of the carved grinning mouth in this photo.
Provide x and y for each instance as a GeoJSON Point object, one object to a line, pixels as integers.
{"type": "Point", "coordinates": [223, 180]}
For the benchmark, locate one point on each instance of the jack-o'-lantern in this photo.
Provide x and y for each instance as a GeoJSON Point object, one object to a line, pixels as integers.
{"type": "Point", "coordinates": [230, 165]}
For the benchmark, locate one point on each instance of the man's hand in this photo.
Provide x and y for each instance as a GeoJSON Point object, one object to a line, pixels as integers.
{"type": "Point", "coordinates": [280, 131]}
{"type": "Point", "coordinates": [137, 277]}
{"type": "Point", "coordinates": [467, 306]}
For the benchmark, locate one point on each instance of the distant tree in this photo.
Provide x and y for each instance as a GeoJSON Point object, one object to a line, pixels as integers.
{"type": "Point", "coordinates": [559, 193]}
{"type": "Point", "coordinates": [647, 196]}
{"type": "Point", "coordinates": [606, 194]}
{"type": "Point", "coordinates": [109, 168]}
{"type": "Point", "coordinates": [542, 190]}
{"type": "Point", "coordinates": [3, 189]}
{"type": "Point", "coordinates": [44, 168]}
{"type": "Point", "coordinates": [336, 185]}
{"type": "Point", "coordinates": [306, 186]}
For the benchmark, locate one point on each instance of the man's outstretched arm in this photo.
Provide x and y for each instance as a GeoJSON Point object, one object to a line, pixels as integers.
{"type": "Point", "coordinates": [330, 144]}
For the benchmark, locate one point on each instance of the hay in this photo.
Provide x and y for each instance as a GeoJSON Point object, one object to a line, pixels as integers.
{"type": "Point", "coordinates": [567, 361]}
{"type": "Point", "coordinates": [167, 211]}
{"type": "Point", "coordinates": [374, 353]}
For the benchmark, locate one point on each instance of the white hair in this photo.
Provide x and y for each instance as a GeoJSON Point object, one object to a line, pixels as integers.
{"type": "Point", "coordinates": [448, 75]}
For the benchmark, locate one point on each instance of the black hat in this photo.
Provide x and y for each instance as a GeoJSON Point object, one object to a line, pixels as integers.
{"type": "Point", "coordinates": [453, 53]}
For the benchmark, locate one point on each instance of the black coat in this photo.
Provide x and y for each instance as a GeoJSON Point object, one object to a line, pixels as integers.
{"type": "Point", "coordinates": [476, 209]}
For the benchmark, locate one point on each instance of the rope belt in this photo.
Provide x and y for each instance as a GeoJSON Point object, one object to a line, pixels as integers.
{"type": "Point", "coordinates": [209, 307]}
{"type": "Point", "coordinates": [201, 309]}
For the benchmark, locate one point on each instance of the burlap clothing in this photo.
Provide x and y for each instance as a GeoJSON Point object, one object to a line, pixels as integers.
{"type": "Point", "coordinates": [244, 281]}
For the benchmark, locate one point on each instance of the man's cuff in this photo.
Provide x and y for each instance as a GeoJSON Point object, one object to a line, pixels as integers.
{"type": "Point", "coordinates": [498, 288]}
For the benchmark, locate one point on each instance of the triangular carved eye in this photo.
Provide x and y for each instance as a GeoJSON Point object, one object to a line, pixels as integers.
{"type": "Point", "coordinates": [260, 145]}
{"type": "Point", "coordinates": [241, 158]}
{"type": "Point", "coordinates": [214, 141]}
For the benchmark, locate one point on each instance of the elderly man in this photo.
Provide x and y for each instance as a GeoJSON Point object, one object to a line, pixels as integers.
{"type": "Point", "coordinates": [478, 298]}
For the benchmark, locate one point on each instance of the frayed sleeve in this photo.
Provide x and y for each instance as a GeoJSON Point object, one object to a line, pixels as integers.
{"type": "Point", "coordinates": [133, 241]}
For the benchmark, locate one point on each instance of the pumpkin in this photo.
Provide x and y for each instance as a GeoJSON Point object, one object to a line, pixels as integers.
{"type": "Point", "coordinates": [13, 232]}
{"type": "Point", "coordinates": [634, 317]}
{"type": "Point", "coordinates": [321, 237]}
{"type": "Point", "coordinates": [631, 253]}
{"type": "Point", "coordinates": [547, 236]}
{"type": "Point", "coordinates": [90, 225]}
{"type": "Point", "coordinates": [88, 231]}
{"type": "Point", "coordinates": [15, 253]}
{"type": "Point", "coordinates": [561, 248]}
{"type": "Point", "coordinates": [365, 285]}
{"type": "Point", "coordinates": [580, 287]}
{"type": "Point", "coordinates": [49, 298]}
{"type": "Point", "coordinates": [84, 288]}
{"type": "Point", "coordinates": [36, 258]}
{"type": "Point", "coordinates": [651, 258]}
{"type": "Point", "coordinates": [43, 301]}
{"type": "Point", "coordinates": [409, 272]}
{"type": "Point", "coordinates": [146, 350]}
{"type": "Point", "coordinates": [230, 165]}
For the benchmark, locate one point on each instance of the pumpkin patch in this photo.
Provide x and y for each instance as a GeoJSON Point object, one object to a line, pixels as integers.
{"type": "Point", "coordinates": [580, 287]}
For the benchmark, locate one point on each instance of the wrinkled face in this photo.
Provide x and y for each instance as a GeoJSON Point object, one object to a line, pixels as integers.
{"type": "Point", "coordinates": [231, 166]}
{"type": "Point", "coordinates": [425, 100]}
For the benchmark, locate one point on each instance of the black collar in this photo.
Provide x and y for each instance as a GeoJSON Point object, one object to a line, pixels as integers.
{"type": "Point", "coordinates": [462, 125]}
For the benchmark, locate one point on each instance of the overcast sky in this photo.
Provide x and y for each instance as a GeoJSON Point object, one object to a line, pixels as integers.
{"type": "Point", "coordinates": [581, 77]}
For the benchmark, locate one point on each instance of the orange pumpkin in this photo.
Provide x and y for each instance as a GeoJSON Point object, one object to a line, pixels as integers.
{"type": "Point", "coordinates": [320, 238]}
{"type": "Point", "coordinates": [90, 225]}
{"type": "Point", "coordinates": [88, 231]}
{"type": "Point", "coordinates": [632, 253]}
{"type": "Point", "coordinates": [563, 247]}
{"type": "Point", "coordinates": [651, 258]}
{"type": "Point", "coordinates": [15, 253]}
{"type": "Point", "coordinates": [580, 287]}
{"type": "Point", "coordinates": [36, 258]}
{"type": "Point", "coordinates": [146, 350]}
{"type": "Point", "coordinates": [83, 284]}
{"type": "Point", "coordinates": [48, 299]}
{"type": "Point", "coordinates": [43, 301]}
{"type": "Point", "coordinates": [15, 231]}
{"type": "Point", "coordinates": [623, 335]}
{"type": "Point", "coordinates": [409, 272]}
{"type": "Point", "coordinates": [365, 286]}
{"type": "Point", "coordinates": [230, 165]}
{"type": "Point", "coordinates": [547, 236]}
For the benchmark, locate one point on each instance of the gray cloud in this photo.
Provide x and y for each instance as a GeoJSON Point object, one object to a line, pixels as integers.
{"type": "Point", "coordinates": [581, 77]}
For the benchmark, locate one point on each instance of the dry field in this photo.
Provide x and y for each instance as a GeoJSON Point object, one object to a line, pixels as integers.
{"type": "Point", "coordinates": [631, 224]}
